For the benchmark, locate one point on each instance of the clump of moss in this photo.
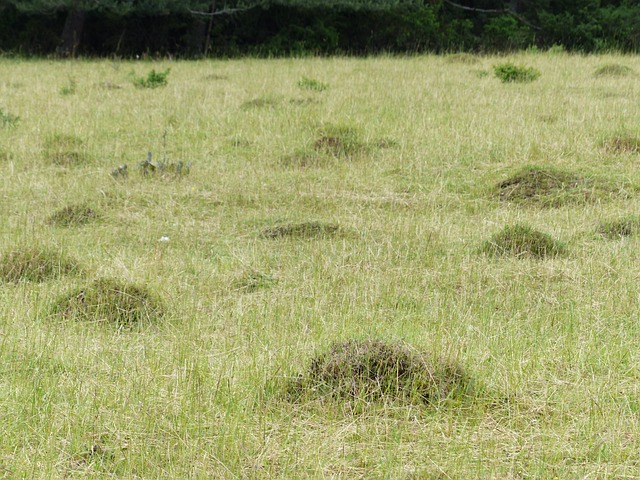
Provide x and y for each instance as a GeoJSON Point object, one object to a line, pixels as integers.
{"type": "Point", "coordinates": [302, 230]}
{"type": "Point", "coordinates": [374, 370]}
{"type": "Point", "coordinates": [621, 227]}
{"type": "Point", "coordinates": [64, 150]}
{"type": "Point", "coordinates": [550, 187]}
{"type": "Point", "coordinates": [110, 301]}
{"type": "Point", "coordinates": [523, 241]}
{"type": "Point", "coordinates": [622, 143]}
{"type": "Point", "coordinates": [339, 141]}
{"type": "Point", "coordinates": [613, 70]}
{"type": "Point", "coordinates": [36, 264]}
{"type": "Point", "coordinates": [72, 216]}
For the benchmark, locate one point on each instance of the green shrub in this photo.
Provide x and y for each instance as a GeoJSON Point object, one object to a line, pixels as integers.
{"type": "Point", "coordinates": [509, 72]}
{"type": "Point", "coordinates": [153, 80]}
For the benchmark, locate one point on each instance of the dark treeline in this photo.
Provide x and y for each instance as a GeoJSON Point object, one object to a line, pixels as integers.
{"type": "Point", "coordinates": [192, 28]}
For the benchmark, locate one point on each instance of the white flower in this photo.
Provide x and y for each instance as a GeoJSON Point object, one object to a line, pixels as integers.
{"type": "Point", "coordinates": [164, 238]}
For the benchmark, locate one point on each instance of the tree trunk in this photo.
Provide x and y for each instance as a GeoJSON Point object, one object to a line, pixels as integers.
{"type": "Point", "coordinates": [72, 33]}
{"type": "Point", "coordinates": [197, 37]}
{"type": "Point", "coordinates": [207, 43]}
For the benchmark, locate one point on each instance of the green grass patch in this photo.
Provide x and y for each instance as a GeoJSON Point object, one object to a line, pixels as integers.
{"type": "Point", "coordinates": [8, 119]}
{"type": "Point", "coordinates": [306, 83]}
{"type": "Point", "coordinates": [523, 241]}
{"type": "Point", "coordinates": [152, 80]}
{"type": "Point", "coordinates": [107, 300]}
{"type": "Point", "coordinates": [511, 73]}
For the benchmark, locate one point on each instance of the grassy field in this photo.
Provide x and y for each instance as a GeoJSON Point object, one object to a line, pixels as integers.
{"type": "Point", "coordinates": [172, 321]}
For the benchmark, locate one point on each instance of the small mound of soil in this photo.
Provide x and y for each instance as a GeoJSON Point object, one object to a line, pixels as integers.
{"type": "Point", "coordinates": [622, 144]}
{"type": "Point", "coordinates": [613, 70]}
{"type": "Point", "coordinates": [302, 230]}
{"type": "Point", "coordinates": [548, 187]}
{"type": "Point", "coordinates": [110, 301]}
{"type": "Point", "coordinates": [65, 150]}
{"type": "Point", "coordinates": [375, 370]}
{"type": "Point", "coordinates": [73, 215]}
{"type": "Point", "coordinates": [523, 241]}
{"type": "Point", "coordinates": [305, 159]}
{"type": "Point", "coordinates": [260, 102]}
{"type": "Point", "coordinates": [339, 141]}
{"type": "Point", "coordinates": [623, 227]}
{"type": "Point", "coordinates": [36, 264]}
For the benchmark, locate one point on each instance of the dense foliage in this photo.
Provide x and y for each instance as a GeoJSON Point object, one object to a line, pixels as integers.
{"type": "Point", "coordinates": [281, 27]}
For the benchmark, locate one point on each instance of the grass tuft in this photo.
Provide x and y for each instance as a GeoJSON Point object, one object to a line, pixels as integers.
{"type": "Point", "coordinates": [73, 216]}
{"type": "Point", "coordinates": [550, 187]}
{"type": "Point", "coordinates": [260, 102]}
{"type": "Point", "coordinates": [253, 281]}
{"type": "Point", "coordinates": [303, 230]}
{"type": "Point", "coordinates": [523, 241]}
{"type": "Point", "coordinates": [621, 227]}
{"type": "Point", "coordinates": [8, 119]}
{"type": "Point", "coordinates": [65, 150]}
{"type": "Point", "coordinates": [339, 141]}
{"type": "Point", "coordinates": [462, 58]}
{"type": "Point", "coordinates": [612, 70]}
{"type": "Point", "coordinates": [374, 370]}
{"type": "Point", "coordinates": [305, 158]}
{"type": "Point", "coordinates": [110, 301]}
{"type": "Point", "coordinates": [311, 84]}
{"type": "Point", "coordinates": [36, 264]}
{"type": "Point", "coordinates": [511, 73]}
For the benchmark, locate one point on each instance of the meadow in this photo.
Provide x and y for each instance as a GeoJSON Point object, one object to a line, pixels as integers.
{"type": "Point", "coordinates": [194, 314]}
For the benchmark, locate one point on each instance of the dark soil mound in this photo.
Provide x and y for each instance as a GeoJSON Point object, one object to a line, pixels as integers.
{"type": "Point", "coordinates": [375, 370]}
{"type": "Point", "coordinates": [36, 264]}
{"type": "Point", "coordinates": [550, 187]}
{"type": "Point", "coordinates": [110, 301]}
{"type": "Point", "coordinates": [523, 241]}
{"type": "Point", "coordinates": [73, 215]}
{"type": "Point", "coordinates": [622, 227]}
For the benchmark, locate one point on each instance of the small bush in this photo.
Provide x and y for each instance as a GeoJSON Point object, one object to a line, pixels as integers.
{"type": "Point", "coordinates": [64, 150]}
{"type": "Point", "coordinates": [509, 72]}
{"type": "Point", "coordinates": [110, 301]}
{"type": "Point", "coordinates": [73, 215]}
{"type": "Point", "coordinates": [7, 119]}
{"type": "Point", "coordinates": [311, 84]}
{"type": "Point", "coordinates": [36, 264]}
{"type": "Point", "coordinates": [613, 70]}
{"type": "Point", "coordinates": [153, 79]}
{"type": "Point", "coordinates": [522, 241]}
{"type": "Point", "coordinates": [373, 370]}
{"type": "Point", "coordinates": [619, 228]}
{"type": "Point", "coordinates": [302, 230]}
